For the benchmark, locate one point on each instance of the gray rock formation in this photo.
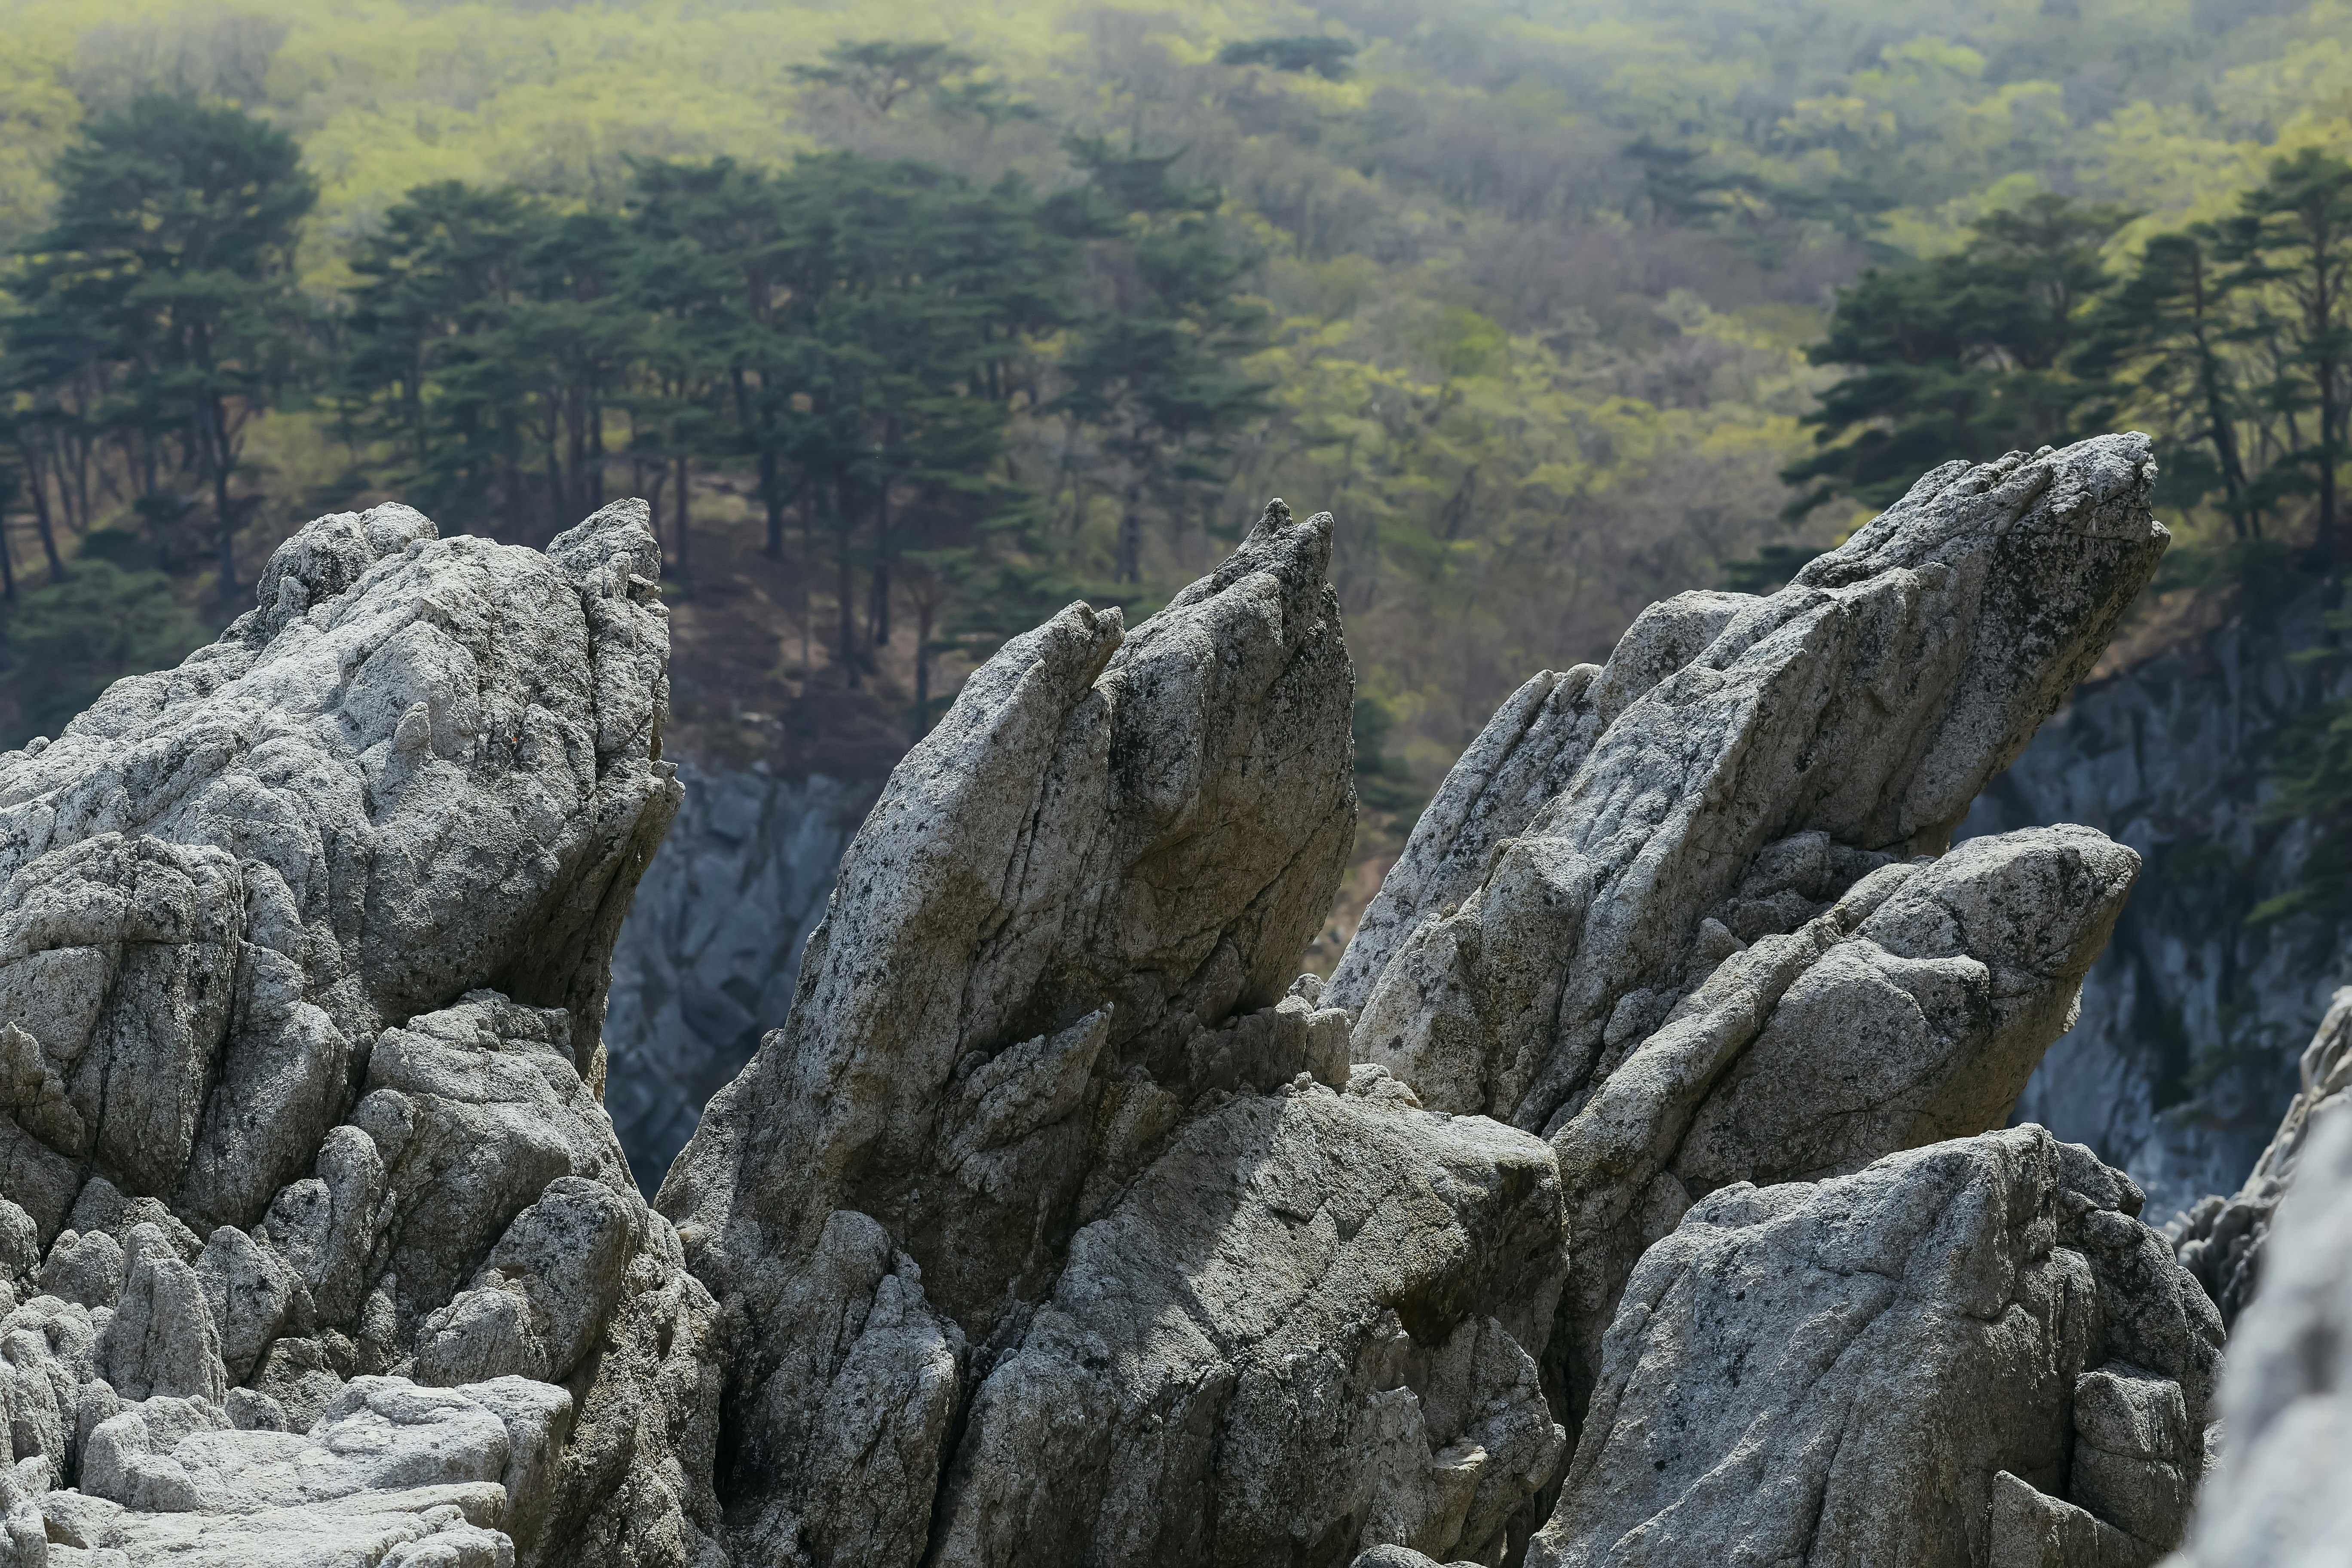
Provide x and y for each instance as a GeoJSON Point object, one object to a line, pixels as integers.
{"type": "Point", "coordinates": [1304, 1328]}
{"type": "Point", "coordinates": [1041, 1093]}
{"type": "Point", "coordinates": [2222, 1240]}
{"type": "Point", "coordinates": [1952, 1347]}
{"type": "Point", "coordinates": [708, 957]}
{"type": "Point", "coordinates": [1524, 759]}
{"type": "Point", "coordinates": [303, 951]}
{"type": "Point", "coordinates": [1057, 1222]}
{"type": "Point", "coordinates": [2193, 1019]}
{"type": "Point", "coordinates": [1712, 955]}
{"type": "Point", "coordinates": [2286, 1398]}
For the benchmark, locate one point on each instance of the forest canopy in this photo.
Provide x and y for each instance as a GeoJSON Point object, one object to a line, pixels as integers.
{"type": "Point", "coordinates": [913, 322]}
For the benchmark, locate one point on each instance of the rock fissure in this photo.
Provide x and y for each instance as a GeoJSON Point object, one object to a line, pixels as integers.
{"type": "Point", "coordinates": [1057, 1219]}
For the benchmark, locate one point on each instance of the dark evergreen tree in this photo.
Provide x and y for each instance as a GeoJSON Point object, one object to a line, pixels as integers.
{"type": "Point", "coordinates": [1965, 356]}
{"type": "Point", "coordinates": [437, 285]}
{"type": "Point", "coordinates": [879, 73]}
{"type": "Point", "coordinates": [2163, 338]}
{"type": "Point", "coordinates": [1157, 374]}
{"type": "Point", "coordinates": [167, 273]}
{"type": "Point", "coordinates": [713, 271]}
{"type": "Point", "coordinates": [2292, 240]}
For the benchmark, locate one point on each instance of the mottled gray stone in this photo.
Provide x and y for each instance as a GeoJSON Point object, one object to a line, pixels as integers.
{"type": "Point", "coordinates": [2222, 1240]}
{"type": "Point", "coordinates": [85, 1268]}
{"type": "Point", "coordinates": [1526, 755]}
{"type": "Point", "coordinates": [1719, 953]}
{"type": "Point", "coordinates": [375, 843]}
{"type": "Point", "coordinates": [1110, 842]}
{"type": "Point", "coordinates": [161, 1339]}
{"type": "Point", "coordinates": [2286, 1398]}
{"type": "Point", "coordinates": [1837, 1372]}
{"type": "Point", "coordinates": [1310, 1326]}
{"type": "Point", "coordinates": [1868, 701]}
{"type": "Point", "coordinates": [251, 1291]}
{"type": "Point", "coordinates": [547, 1289]}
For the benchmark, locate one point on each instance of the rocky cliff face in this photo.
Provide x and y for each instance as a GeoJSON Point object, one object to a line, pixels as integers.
{"type": "Point", "coordinates": [2287, 1398]}
{"type": "Point", "coordinates": [2193, 1020]}
{"type": "Point", "coordinates": [320, 1244]}
{"type": "Point", "coordinates": [706, 961]}
{"type": "Point", "coordinates": [1637, 1195]}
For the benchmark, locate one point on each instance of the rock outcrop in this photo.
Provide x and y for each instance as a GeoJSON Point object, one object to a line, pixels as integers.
{"type": "Point", "coordinates": [1954, 1346]}
{"type": "Point", "coordinates": [1060, 1221]}
{"type": "Point", "coordinates": [1046, 1166]}
{"type": "Point", "coordinates": [2222, 1240]}
{"type": "Point", "coordinates": [316, 1236]}
{"type": "Point", "coordinates": [2286, 1398]}
{"type": "Point", "coordinates": [1712, 954]}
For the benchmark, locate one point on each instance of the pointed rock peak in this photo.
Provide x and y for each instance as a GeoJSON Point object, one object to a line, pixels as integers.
{"type": "Point", "coordinates": [618, 534]}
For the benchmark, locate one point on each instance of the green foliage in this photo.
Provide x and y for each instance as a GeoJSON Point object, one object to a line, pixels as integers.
{"type": "Point", "coordinates": [70, 639]}
{"type": "Point", "coordinates": [1157, 372]}
{"type": "Point", "coordinates": [1771, 566]}
{"type": "Point", "coordinates": [2291, 239]}
{"type": "Point", "coordinates": [963, 312]}
{"type": "Point", "coordinates": [1327, 58]}
{"type": "Point", "coordinates": [155, 307]}
{"type": "Point", "coordinates": [1383, 784]}
{"type": "Point", "coordinates": [1968, 355]}
{"type": "Point", "coordinates": [878, 73]}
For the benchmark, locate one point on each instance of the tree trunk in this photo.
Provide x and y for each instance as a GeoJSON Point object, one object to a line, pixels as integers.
{"type": "Point", "coordinates": [847, 593]}
{"type": "Point", "coordinates": [772, 496]}
{"type": "Point", "coordinates": [37, 482]}
{"type": "Point", "coordinates": [223, 516]}
{"type": "Point", "coordinates": [1131, 535]}
{"type": "Point", "coordinates": [555, 497]}
{"type": "Point", "coordinates": [7, 593]}
{"type": "Point", "coordinates": [922, 666]}
{"type": "Point", "coordinates": [877, 618]}
{"type": "Point", "coordinates": [680, 519]}
{"type": "Point", "coordinates": [808, 580]}
{"type": "Point", "coordinates": [595, 456]}
{"type": "Point", "coordinates": [651, 490]}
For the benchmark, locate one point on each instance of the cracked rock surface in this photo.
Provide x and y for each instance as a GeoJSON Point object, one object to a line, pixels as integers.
{"type": "Point", "coordinates": [1051, 1160]}
{"type": "Point", "coordinates": [1906, 1364]}
{"type": "Point", "coordinates": [315, 1243]}
{"type": "Point", "coordinates": [1728, 945]}
{"type": "Point", "coordinates": [1632, 1193]}
{"type": "Point", "coordinates": [2222, 1240]}
{"type": "Point", "coordinates": [1690, 915]}
{"type": "Point", "coordinates": [2286, 1398]}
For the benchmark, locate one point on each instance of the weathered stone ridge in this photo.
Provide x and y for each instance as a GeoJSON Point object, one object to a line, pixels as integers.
{"type": "Point", "coordinates": [318, 1239]}
{"type": "Point", "coordinates": [1691, 915]}
{"type": "Point", "coordinates": [1040, 1078]}
{"type": "Point", "coordinates": [1637, 1192]}
{"type": "Point", "coordinates": [1848, 1372]}
{"type": "Point", "coordinates": [2286, 1398]}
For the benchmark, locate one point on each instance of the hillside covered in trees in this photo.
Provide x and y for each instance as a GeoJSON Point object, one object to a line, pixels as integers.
{"type": "Point", "coordinates": [914, 322]}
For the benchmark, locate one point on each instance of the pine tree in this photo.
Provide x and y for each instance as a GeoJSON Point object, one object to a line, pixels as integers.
{"type": "Point", "coordinates": [1157, 373]}
{"type": "Point", "coordinates": [2161, 343]}
{"type": "Point", "coordinates": [2292, 237]}
{"type": "Point", "coordinates": [170, 266]}
{"type": "Point", "coordinates": [1963, 357]}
